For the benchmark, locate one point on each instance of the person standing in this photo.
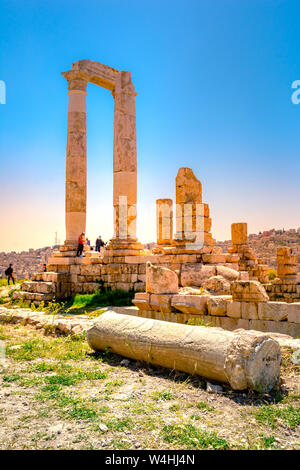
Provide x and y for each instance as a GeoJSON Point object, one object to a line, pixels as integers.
{"type": "Point", "coordinates": [99, 243]}
{"type": "Point", "coordinates": [81, 240]}
{"type": "Point", "coordinates": [10, 274]}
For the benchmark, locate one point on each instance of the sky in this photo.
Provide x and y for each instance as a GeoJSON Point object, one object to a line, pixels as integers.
{"type": "Point", "coordinates": [214, 82]}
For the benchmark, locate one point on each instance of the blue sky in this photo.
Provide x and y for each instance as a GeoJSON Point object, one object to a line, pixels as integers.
{"type": "Point", "coordinates": [213, 79]}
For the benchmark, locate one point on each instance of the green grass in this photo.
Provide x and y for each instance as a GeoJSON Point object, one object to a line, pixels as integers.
{"type": "Point", "coordinates": [105, 298]}
{"type": "Point", "coordinates": [190, 436]}
{"type": "Point", "coordinates": [204, 406]}
{"type": "Point", "coordinates": [268, 442]}
{"type": "Point", "coordinates": [61, 349]}
{"type": "Point", "coordinates": [163, 396]}
{"type": "Point", "coordinates": [11, 378]}
{"type": "Point", "coordinates": [83, 303]}
{"type": "Point", "coordinates": [3, 282]}
{"type": "Point", "coordinates": [119, 424]}
{"type": "Point", "coordinates": [272, 415]}
{"type": "Point", "coordinates": [73, 408]}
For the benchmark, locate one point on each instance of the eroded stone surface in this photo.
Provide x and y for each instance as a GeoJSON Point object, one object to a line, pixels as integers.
{"type": "Point", "coordinates": [217, 285]}
{"type": "Point", "coordinates": [248, 291]}
{"type": "Point", "coordinates": [160, 280]}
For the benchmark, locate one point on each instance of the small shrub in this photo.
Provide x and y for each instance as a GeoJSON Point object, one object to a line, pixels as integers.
{"type": "Point", "coordinates": [272, 273]}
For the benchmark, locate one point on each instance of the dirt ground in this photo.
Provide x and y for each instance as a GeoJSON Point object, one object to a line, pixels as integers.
{"type": "Point", "coordinates": [57, 394]}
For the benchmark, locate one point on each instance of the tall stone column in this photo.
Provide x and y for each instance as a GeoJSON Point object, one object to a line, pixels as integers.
{"type": "Point", "coordinates": [125, 166]}
{"type": "Point", "coordinates": [76, 172]}
{"type": "Point", "coordinates": [164, 221]}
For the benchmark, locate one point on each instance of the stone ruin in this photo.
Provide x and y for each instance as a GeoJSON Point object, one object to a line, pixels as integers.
{"type": "Point", "coordinates": [187, 262]}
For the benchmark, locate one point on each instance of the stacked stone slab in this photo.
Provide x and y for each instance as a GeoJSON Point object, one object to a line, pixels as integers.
{"type": "Point", "coordinates": [247, 258]}
{"type": "Point", "coordinates": [247, 307]}
{"type": "Point", "coordinates": [44, 287]}
{"type": "Point", "coordinates": [287, 285]}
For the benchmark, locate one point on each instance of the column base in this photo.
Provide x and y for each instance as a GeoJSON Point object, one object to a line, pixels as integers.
{"type": "Point", "coordinates": [123, 247]}
{"type": "Point", "coordinates": [69, 249]}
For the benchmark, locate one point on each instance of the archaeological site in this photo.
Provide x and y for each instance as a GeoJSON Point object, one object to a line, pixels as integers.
{"type": "Point", "coordinates": [150, 229]}
{"type": "Point", "coordinates": [186, 278]}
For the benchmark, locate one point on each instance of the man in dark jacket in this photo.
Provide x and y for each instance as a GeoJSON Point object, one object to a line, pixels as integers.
{"type": "Point", "coordinates": [99, 243]}
{"type": "Point", "coordinates": [10, 274]}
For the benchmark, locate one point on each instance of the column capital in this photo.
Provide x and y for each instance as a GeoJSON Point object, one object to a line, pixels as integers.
{"type": "Point", "coordinates": [77, 80]}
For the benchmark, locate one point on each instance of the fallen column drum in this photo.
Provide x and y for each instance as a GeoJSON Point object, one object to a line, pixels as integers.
{"type": "Point", "coordinates": [242, 359]}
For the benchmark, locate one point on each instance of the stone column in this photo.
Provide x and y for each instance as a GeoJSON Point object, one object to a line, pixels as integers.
{"type": "Point", "coordinates": [164, 221]}
{"type": "Point", "coordinates": [239, 233]}
{"type": "Point", "coordinates": [125, 159]}
{"type": "Point", "coordinates": [287, 264]}
{"type": "Point", "coordinates": [76, 157]}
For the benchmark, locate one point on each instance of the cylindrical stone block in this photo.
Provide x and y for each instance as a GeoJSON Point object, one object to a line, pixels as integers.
{"type": "Point", "coordinates": [125, 157]}
{"type": "Point", "coordinates": [76, 158]}
{"type": "Point", "coordinates": [239, 233]}
{"type": "Point", "coordinates": [242, 359]}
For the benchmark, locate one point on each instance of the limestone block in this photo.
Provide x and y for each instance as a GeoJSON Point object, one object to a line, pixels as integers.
{"type": "Point", "coordinates": [142, 300]}
{"type": "Point", "coordinates": [294, 312]}
{"type": "Point", "coordinates": [227, 273]}
{"type": "Point", "coordinates": [277, 311]}
{"type": "Point", "coordinates": [189, 303]}
{"type": "Point", "coordinates": [232, 258]}
{"type": "Point", "coordinates": [249, 310]}
{"type": "Point", "coordinates": [234, 309]}
{"type": "Point", "coordinates": [218, 285]}
{"type": "Point", "coordinates": [188, 187]}
{"type": "Point", "coordinates": [239, 233]}
{"type": "Point", "coordinates": [161, 302]}
{"type": "Point", "coordinates": [283, 251]}
{"type": "Point", "coordinates": [248, 291]}
{"type": "Point", "coordinates": [90, 287]}
{"type": "Point", "coordinates": [217, 305]}
{"type": "Point", "coordinates": [244, 276]}
{"type": "Point", "coordinates": [211, 258]}
{"type": "Point", "coordinates": [90, 270]}
{"type": "Point", "coordinates": [284, 269]}
{"type": "Point", "coordinates": [195, 273]}
{"type": "Point", "coordinates": [160, 280]}
{"type": "Point", "coordinates": [189, 290]}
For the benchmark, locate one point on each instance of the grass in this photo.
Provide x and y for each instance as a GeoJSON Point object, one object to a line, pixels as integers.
{"type": "Point", "coordinates": [3, 282]}
{"type": "Point", "coordinates": [163, 396]}
{"type": "Point", "coordinates": [82, 303]}
{"type": "Point", "coordinates": [191, 436]}
{"type": "Point", "coordinates": [63, 382]}
{"type": "Point", "coordinates": [117, 298]}
{"type": "Point", "coordinates": [119, 424]}
{"type": "Point", "coordinates": [273, 415]}
{"type": "Point", "coordinates": [202, 405]}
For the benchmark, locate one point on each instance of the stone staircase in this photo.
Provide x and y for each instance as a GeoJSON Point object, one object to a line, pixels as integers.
{"type": "Point", "coordinates": [44, 286]}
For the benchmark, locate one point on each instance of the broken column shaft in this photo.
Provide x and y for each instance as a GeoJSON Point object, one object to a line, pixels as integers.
{"type": "Point", "coordinates": [244, 360]}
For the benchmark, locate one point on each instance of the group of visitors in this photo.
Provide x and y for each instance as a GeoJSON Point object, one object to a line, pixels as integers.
{"type": "Point", "coordinates": [9, 272]}
{"type": "Point", "coordinates": [82, 240]}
